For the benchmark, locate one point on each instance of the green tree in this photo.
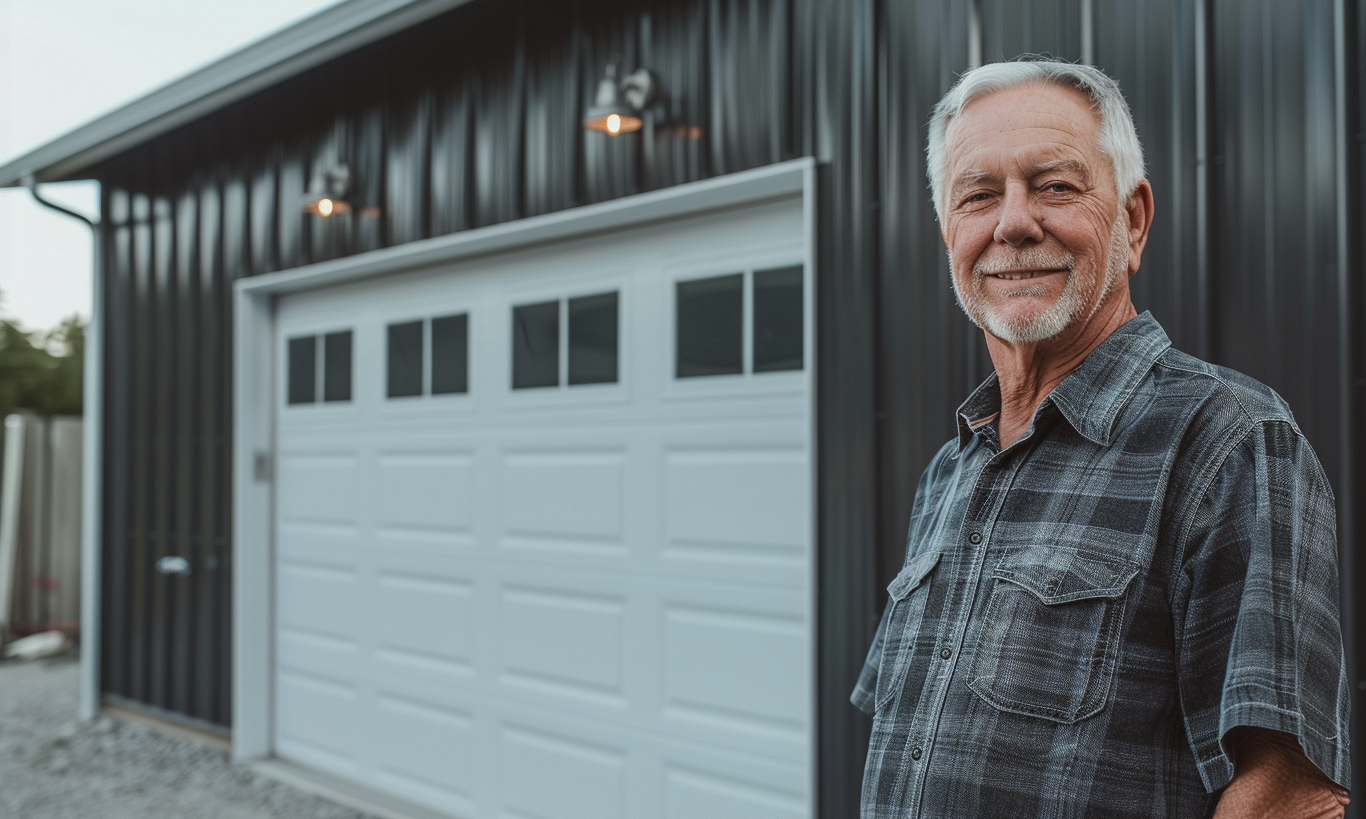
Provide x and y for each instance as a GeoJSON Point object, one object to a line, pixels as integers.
{"type": "Point", "coordinates": [41, 372]}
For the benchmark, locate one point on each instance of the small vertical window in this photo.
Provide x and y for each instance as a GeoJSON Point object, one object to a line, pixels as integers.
{"type": "Point", "coordinates": [303, 370]}
{"type": "Point", "coordinates": [337, 366]}
{"type": "Point", "coordinates": [710, 326]}
{"type": "Point", "coordinates": [778, 313]}
{"type": "Point", "coordinates": [593, 339]}
{"type": "Point", "coordinates": [450, 354]}
{"type": "Point", "coordinates": [536, 345]}
{"type": "Point", "coordinates": [405, 359]}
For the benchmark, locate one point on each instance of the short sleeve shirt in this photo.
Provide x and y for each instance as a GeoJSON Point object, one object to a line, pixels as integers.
{"type": "Point", "coordinates": [1083, 615]}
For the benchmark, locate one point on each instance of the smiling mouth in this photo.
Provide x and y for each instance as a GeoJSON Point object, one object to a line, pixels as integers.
{"type": "Point", "coordinates": [1021, 275]}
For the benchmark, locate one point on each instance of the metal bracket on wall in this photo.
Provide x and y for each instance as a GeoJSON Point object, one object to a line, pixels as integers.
{"type": "Point", "coordinates": [261, 467]}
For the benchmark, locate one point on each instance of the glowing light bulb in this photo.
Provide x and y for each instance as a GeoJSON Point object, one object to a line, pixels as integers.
{"type": "Point", "coordinates": [324, 207]}
{"type": "Point", "coordinates": [613, 124]}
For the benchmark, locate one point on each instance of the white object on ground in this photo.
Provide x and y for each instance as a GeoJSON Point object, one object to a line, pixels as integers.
{"type": "Point", "coordinates": [44, 644]}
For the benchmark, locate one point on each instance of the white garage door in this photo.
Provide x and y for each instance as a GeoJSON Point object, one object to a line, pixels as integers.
{"type": "Point", "coordinates": [544, 527]}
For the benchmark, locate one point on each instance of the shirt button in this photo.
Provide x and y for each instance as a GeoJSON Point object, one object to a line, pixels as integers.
{"type": "Point", "coordinates": [916, 753]}
{"type": "Point", "coordinates": [946, 654]}
{"type": "Point", "coordinates": [975, 538]}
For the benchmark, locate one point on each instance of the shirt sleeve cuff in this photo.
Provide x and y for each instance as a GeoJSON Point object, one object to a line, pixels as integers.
{"type": "Point", "coordinates": [1329, 754]}
{"type": "Point", "coordinates": [862, 698]}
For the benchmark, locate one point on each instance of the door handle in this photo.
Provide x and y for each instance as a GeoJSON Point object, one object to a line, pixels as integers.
{"type": "Point", "coordinates": [173, 564]}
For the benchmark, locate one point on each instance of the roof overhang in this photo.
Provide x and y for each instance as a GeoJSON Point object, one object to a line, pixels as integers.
{"type": "Point", "coordinates": [324, 36]}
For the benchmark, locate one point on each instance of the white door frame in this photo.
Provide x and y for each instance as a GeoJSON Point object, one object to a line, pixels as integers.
{"type": "Point", "coordinates": [254, 386]}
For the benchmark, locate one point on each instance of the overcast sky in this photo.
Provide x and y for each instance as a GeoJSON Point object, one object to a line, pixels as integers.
{"type": "Point", "coordinates": [64, 62]}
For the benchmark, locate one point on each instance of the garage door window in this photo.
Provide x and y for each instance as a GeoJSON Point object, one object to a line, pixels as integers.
{"type": "Point", "coordinates": [536, 345]}
{"type": "Point", "coordinates": [778, 327]}
{"type": "Point", "coordinates": [303, 368]}
{"type": "Point", "coordinates": [711, 326]}
{"type": "Point", "coordinates": [711, 323]}
{"type": "Point", "coordinates": [590, 338]}
{"type": "Point", "coordinates": [412, 345]}
{"type": "Point", "coordinates": [337, 366]}
{"type": "Point", "coordinates": [405, 359]}
{"type": "Point", "coordinates": [593, 339]}
{"type": "Point", "coordinates": [451, 354]}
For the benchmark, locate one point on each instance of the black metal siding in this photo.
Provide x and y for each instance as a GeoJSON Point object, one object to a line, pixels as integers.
{"type": "Point", "coordinates": [474, 119]}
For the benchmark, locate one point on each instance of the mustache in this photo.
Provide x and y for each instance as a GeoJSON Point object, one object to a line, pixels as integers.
{"type": "Point", "coordinates": [1033, 258]}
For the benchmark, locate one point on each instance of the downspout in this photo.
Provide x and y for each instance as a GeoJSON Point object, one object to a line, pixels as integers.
{"type": "Point", "coordinates": [92, 416]}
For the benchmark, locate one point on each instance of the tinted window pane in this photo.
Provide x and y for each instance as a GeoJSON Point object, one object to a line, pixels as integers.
{"type": "Point", "coordinates": [536, 345]}
{"type": "Point", "coordinates": [778, 319]}
{"type": "Point", "coordinates": [711, 326]}
{"type": "Point", "coordinates": [337, 366]}
{"type": "Point", "coordinates": [450, 354]}
{"type": "Point", "coordinates": [593, 339]}
{"type": "Point", "coordinates": [303, 370]}
{"type": "Point", "coordinates": [405, 359]}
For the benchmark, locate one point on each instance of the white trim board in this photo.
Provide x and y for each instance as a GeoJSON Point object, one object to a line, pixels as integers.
{"type": "Point", "coordinates": [254, 380]}
{"type": "Point", "coordinates": [92, 483]}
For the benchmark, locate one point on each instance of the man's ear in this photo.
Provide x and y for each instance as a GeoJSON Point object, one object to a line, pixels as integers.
{"type": "Point", "coordinates": [1139, 209]}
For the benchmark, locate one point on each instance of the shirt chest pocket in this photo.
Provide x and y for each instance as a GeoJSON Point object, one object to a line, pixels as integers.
{"type": "Point", "coordinates": [1049, 640]}
{"type": "Point", "coordinates": [906, 603]}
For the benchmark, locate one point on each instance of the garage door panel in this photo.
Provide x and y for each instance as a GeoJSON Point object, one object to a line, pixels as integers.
{"type": "Point", "coordinates": [550, 776]}
{"type": "Point", "coordinates": [322, 599]}
{"type": "Point", "coordinates": [563, 642]}
{"type": "Point", "coordinates": [750, 500]}
{"type": "Point", "coordinates": [740, 670]}
{"type": "Point", "coordinates": [425, 622]}
{"type": "Point", "coordinates": [424, 493]}
{"type": "Point", "coordinates": [324, 655]}
{"type": "Point", "coordinates": [427, 752]}
{"type": "Point", "coordinates": [320, 487]}
{"type": "Point", "coordinates": [691, 793]}
{"type": "Point", "coordinates": [336, 545]}
{"type": "Point", "coordinates": [316, 721]}
{"type": "Point", "coordinates": [564, 500]}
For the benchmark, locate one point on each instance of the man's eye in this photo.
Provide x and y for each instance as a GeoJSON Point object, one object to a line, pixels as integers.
{"type": "Point", "coordinates": [977, 197]}
{"type": "Point", "coordinates": [1057, 187]}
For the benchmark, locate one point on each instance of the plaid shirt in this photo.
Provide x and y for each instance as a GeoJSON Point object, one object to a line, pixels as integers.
{"type": "Point", "coordinates": [1083, 616]}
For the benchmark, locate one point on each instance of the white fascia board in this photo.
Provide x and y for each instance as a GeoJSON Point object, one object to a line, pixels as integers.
{"type": "Point", "coordinates": [329, 34]}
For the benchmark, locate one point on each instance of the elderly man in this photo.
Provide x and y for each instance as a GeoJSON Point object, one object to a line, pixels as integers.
{"type": "Point", "coordinates": [1120, 590]}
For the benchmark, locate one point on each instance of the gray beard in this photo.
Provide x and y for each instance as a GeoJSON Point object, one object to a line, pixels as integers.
{"type": "Point", "coordinates": [1065, 312]}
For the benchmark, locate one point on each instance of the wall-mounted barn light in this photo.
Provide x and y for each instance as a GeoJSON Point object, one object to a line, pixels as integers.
{"type": "Point", "coordinates": [328, 194]}
{"type": "Point", "coordinates": [617, 106]}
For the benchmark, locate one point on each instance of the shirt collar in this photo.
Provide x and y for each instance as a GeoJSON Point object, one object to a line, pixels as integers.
{"type": "Point", "coordinates": [1092, 395]}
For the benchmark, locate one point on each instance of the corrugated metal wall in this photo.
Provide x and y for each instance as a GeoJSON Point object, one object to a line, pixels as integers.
{"type": "Point", "coordinates": [474, 119]}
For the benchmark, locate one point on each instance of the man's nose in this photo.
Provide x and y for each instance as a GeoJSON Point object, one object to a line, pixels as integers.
{"type": "Point", "coordinates": [1017, 224]}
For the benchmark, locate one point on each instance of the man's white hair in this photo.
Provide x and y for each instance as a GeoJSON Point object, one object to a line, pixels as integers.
{"type": "Point", "coordinates": [1118, 138]}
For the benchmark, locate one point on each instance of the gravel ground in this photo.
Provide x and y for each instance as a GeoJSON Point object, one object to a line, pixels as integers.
{"type": "Point", "coordinates": [53, 767]}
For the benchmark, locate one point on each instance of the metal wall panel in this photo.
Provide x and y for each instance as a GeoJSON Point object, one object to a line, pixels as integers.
{"type": "Point", "coordinates": [166, 448]}
{"type": "Point", "coordinates": [1014, 27]}
{"type": "Point", "coordinates": [932, 356]}
{"type": "Point", "coordinates": [1150, 47]}
{"type": "Point", "coordinates": [1350, 481]}
{"type": "Point", "coordinates": [838, 94]}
